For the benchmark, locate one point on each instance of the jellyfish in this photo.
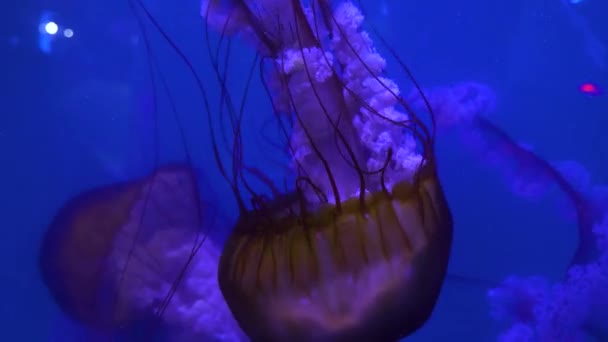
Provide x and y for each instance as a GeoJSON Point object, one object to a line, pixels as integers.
{"type": "Point", "coordinates": [356, 245]}
{"type": "Point", "coordinates": [130, 259]}
{"type": "Point", "coordinates": [89, 242]}
{"type": "Point", "coordinates": [574, 308]}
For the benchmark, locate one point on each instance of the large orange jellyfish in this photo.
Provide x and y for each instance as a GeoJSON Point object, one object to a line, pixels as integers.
{"type": "Point", "coordinates": [357, 248]}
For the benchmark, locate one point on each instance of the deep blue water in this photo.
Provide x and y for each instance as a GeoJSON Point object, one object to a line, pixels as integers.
{"type": "Point", "coordinates": [75, 114]}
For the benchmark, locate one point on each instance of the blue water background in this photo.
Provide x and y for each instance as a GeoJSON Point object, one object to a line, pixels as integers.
{"type": "Point", "coordinates": [79, 115]}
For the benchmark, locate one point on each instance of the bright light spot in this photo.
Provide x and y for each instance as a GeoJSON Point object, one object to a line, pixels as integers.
{"type": "Point", "coordinates": [589, 88]}
{"type": "Point", "coordinates": [51, 27]}
{"type": "Point", "coordinates": [68, 33]}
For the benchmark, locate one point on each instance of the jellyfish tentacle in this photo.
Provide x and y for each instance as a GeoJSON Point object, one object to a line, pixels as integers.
{"type": "Point", "coordinates": [430, 135]}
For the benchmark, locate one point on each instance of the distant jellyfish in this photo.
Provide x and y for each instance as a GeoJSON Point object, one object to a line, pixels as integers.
{"type": "Point", "coordinates": [357, 245]}
{"type": "Point", "coordinates": [575, 308]}
{"type": "Point", "coordinates": [117, 258]}
{"type": "Point", "coordinates": [537, 309]}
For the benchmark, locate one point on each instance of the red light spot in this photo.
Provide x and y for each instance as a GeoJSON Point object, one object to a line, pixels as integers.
{"type": "Point", "coordinates": [589, 89]}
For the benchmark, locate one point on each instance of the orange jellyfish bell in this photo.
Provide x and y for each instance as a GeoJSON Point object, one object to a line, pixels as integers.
{"type": "Point", "coordinates": [110, 255]}
{"type": "Point", "coordinates": [358, 249]}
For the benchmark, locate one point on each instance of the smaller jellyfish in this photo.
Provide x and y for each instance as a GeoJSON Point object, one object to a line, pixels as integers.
{"type": "Point", "coordinates": [129, 259]}
{"type": "Point", "coordinates": [575, 308]}
{"type": "Point", "coordinates": [357, 246]}
{"type": "Point", "coordinates": [538, 310]}
{"type": "Point", "coordinates": [100, 247]}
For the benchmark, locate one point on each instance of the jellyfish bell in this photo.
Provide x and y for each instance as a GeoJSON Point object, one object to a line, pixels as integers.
{"type": "Point", "coordinates": [342, 275]}
{"type": "Point", "coordinates": [113, 256]}
{"type": "Point", "coordinates": [358, 247]}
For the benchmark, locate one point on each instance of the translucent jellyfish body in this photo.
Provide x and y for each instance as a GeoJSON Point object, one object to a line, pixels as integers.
{"type": "Point", "coordinates": [129, 259]}
{"type": "Point", "coordinates": [357, 247]}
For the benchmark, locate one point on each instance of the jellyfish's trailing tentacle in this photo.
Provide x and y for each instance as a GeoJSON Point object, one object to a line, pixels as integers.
{"type": "Point", "coordinates": [358, 250]}
{"type": "Point", "coordinates": [311, 90]}
{"type": "Point", "coordinates": [344, 109]}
